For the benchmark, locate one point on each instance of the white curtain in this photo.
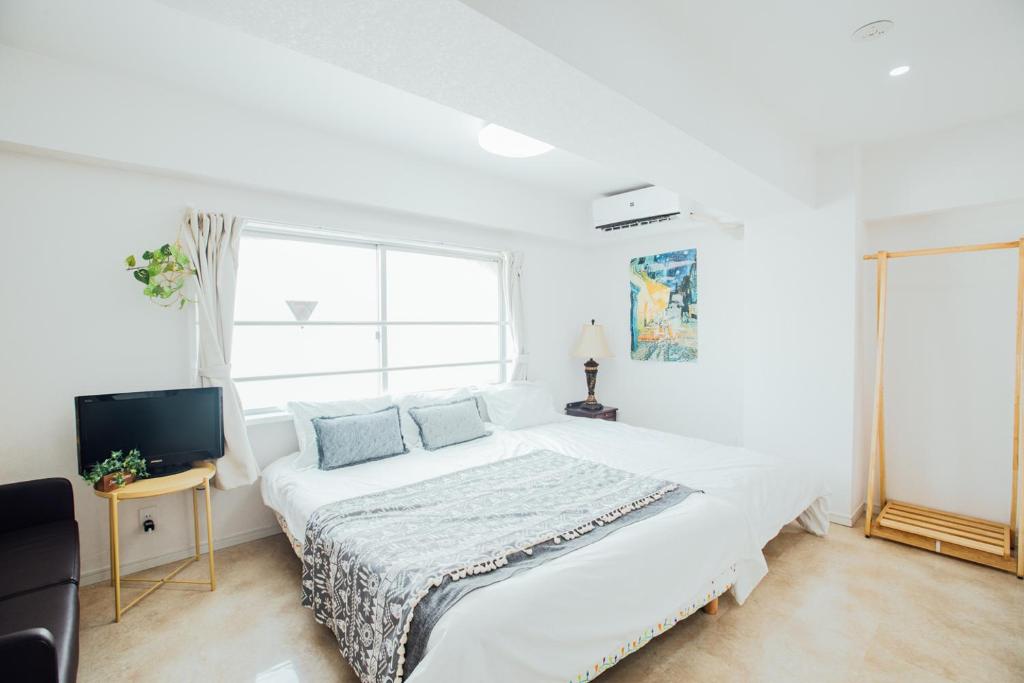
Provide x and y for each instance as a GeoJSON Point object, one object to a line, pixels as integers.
{"type": "Point", "coordinates": [517, 325]}
{"type": "Point", "coordinates": [212, 240]}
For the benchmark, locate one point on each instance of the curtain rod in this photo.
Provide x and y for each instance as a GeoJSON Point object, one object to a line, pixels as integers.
{"type": "Point", "coordinates": [948, 250]}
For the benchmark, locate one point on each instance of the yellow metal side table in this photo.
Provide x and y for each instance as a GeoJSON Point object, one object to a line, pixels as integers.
{"type": "Point", "coordinates": [197, 479]}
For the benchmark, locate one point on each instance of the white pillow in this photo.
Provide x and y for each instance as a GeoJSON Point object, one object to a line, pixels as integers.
{"type": "Point", "coordinates": [410, 432]}
{"type": "Point", "coordinates": [520, 404]}
{"type": "Point", "coordinates": [481, 404]}
{"type": "Point", "coordinates": [304, 413]}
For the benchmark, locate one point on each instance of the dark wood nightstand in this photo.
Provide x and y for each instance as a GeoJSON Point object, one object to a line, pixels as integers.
{"type": "Point", "coordinates": [606, 413]}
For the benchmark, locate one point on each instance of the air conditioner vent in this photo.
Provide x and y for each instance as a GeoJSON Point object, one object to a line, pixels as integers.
{"type": "Point", "coordinates": [634, 209]}
{"type": "Point", "coordinates": [621, 225]}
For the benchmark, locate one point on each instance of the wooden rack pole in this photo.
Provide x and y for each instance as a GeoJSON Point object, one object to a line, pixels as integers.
{"type": "Point", "coordinates": [882, 497]}
{"type": "Point", "coordinates": [945, 250]}
{"type": "Point", "coordinates": [876, 418]}
{"type": "Point", "coordinates": [1019, 352]}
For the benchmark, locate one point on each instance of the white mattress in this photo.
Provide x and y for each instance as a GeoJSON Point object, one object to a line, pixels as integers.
{"type": "Point", "coordinates": [560, 620]}
{"type": "Point", "coordinates": [769, 490]}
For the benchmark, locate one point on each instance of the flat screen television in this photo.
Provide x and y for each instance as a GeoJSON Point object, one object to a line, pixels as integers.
{"type": "Point", "coordinates": [171, 428]}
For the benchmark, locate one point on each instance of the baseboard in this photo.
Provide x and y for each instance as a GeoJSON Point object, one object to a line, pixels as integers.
{"type": "Point", "coordinates": [846, 520]}
{"type": "Point", "coordinates": [103, 573]}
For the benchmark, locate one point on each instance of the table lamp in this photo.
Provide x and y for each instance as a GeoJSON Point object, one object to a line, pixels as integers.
{"type": "Point", "coordinates": [591, 345]}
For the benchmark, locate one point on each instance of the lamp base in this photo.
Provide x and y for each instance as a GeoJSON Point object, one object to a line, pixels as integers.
{"type": "Point", "coordinates": [590, 368]}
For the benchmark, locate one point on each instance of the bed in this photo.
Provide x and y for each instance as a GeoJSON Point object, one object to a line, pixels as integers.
{"type": "Point", "coordinates": [575, 616]}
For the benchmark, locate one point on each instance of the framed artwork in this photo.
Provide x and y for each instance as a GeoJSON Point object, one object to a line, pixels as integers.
{"type": "Point", "coordinates": [663, 306]}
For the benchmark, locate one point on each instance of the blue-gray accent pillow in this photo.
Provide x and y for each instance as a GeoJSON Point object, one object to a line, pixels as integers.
{"type": "Point", "coordinates": [352, 439]}
{"type": "Point", "coordinates": [448, 423]}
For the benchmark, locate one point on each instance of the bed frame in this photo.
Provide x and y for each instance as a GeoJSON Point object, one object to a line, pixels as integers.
{"type": "Point", "coordinates": [292, 541]}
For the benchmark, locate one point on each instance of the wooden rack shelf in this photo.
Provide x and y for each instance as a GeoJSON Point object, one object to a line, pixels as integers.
{"type": "Point", "coordinates": [967, 538]}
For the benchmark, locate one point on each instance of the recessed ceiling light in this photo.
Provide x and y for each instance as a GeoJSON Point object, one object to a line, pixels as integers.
{"type": "Point", "coordinates": [900, 70]}
{"type": "Point", "coordinates": [508, 143]}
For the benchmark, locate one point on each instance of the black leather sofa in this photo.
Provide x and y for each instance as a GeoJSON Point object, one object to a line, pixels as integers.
{"type": "Point", "coordinates": [39, 573]}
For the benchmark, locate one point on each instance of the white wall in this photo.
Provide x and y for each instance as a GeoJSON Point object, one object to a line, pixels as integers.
{"type": "Point", "coordinates": [702, 399]}
{"type": "Point", "coordinates": [74, 323]}
{"type": "Point", "coordinates": [800, 379]}
{"type": "Point", "coordinates": [958, 186]}
{"type": "Point", "coordinates": [949, 358]}
{"type": "Point", "coordinates": [971, 165]}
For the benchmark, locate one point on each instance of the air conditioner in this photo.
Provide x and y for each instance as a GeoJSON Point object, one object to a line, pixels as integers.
{"type": "Point", "coordinates": [638, 207]}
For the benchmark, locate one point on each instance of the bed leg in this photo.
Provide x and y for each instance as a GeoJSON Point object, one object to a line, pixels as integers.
{"type": "Point", "coordinates": [711, 607]}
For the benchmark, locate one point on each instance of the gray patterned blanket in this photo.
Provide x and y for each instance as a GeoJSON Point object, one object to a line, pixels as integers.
{"type": "Point", "coordinates": [373, 563]}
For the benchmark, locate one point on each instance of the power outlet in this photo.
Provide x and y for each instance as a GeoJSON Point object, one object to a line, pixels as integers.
{"type": "Point", "coordinates": [147, 519]}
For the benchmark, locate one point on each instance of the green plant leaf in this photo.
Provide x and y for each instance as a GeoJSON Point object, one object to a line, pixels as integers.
{"type": "Point", "coordinates": [165, 250]}
{"type": "Point", "coordinates": [130, 261]}
{"type": "Point", "coordinates": [118, 464]}
{"type": "Point", "coordinates": [180, 256]}
{"type": "Point", "coordinates": [147, 255]}
{"type": "Point", "coordinates": [142, 275]}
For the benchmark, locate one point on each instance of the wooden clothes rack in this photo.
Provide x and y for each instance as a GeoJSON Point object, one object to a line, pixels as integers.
{"type": "Point", "coordinates": [968, 538]}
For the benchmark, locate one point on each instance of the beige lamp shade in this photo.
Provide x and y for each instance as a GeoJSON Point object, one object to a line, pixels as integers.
{"type": "Point", "coordinates": [592, 343]}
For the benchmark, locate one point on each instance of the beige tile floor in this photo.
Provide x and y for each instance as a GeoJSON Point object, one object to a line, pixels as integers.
{"type": "Point", "coordinates": [840, 608]}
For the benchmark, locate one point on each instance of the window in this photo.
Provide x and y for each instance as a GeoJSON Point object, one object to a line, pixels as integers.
{"type": "Point", "coordinates": [319, 318]}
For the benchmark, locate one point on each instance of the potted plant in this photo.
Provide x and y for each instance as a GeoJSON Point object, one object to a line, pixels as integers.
{"type": "Point", "coordinates": [164, 275]}
{"type": "Point", "coordinates": [117, 470]}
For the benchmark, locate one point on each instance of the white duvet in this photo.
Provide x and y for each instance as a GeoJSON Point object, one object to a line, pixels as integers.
{"type": "Point", "coordinates": [572, 616]}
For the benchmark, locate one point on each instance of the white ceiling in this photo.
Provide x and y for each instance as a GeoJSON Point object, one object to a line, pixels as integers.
{"type": "Point", "coordinates": [791, 61]}
{"type": "Point", "coordinates": [420, 77]}
{"type": "Point", "coordinates": [725, 102]}
{"type": "Point", "coordinates": [449, 53]}
{"type": "Point", "coordinates": [164, 46]}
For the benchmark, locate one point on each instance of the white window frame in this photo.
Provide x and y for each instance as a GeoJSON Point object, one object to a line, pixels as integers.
{"type": "Point", "coordinates": [382, 247]}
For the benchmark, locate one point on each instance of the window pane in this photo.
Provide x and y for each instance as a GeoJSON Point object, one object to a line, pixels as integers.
{"type": "Point", "coordinates": [404, 381]}
{"type": "Point", "coordinates": [436, 344]}
{"type": "Point", "coordinates": [341, 279]}
{"type": "Point", "coordinates": [431, 287]}
{"type": "Point", "coordinates": [275, 393]}
{"type": "Point", "coordinates": [282, 350]}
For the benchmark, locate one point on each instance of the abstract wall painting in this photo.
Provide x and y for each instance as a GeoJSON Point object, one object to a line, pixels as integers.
{"type": "Point", "coordinates": [663, 306]}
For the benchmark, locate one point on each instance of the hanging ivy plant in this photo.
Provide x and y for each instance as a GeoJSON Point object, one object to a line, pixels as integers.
{"type": "Point", "coordinates": [164, 275]}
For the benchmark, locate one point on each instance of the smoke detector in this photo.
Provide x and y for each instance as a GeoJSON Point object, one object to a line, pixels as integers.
{"type": "Point", "coordinates": [872, 31]}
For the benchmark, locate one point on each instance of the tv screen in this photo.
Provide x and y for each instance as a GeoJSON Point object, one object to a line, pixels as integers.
{"type": "Point", "coordinates": [170, 428]}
